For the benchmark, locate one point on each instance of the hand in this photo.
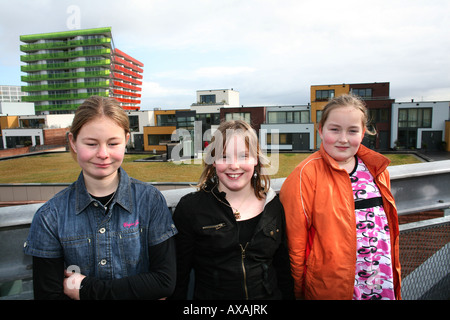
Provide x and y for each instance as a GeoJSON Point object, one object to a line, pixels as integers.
{"type": "Point", "coordinates": [72, 284]}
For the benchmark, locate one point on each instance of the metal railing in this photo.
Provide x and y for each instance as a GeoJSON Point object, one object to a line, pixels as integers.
{"type": "Point", "coordinates": [424, 245]}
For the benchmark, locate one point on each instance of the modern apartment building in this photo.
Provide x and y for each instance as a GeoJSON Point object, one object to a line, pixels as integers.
{"type": "Point", "coordinates": [287, 128]}
{"type": "Point", "coordinates": [420, 125]}
{"type": "Point", "coordinates": [64, 68]}
{"type": "Point", "coordinates": [377, 99]}
{"type": "Point", "coordinates": [11, 93]}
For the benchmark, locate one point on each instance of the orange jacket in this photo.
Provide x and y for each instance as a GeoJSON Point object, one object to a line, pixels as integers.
{"type": "Point", "coordinates": [321, 225]}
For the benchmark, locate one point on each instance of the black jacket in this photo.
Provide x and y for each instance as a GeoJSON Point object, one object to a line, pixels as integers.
{"type": "Point", "coordinates": [208, 243]}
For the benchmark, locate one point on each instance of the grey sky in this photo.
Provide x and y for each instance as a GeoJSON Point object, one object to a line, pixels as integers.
{"type": "Point", "coordinates": [269, 51]}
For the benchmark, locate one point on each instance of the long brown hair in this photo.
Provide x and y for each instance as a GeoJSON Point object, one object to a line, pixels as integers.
{"type": "Point", "coordinates": [259, 181]}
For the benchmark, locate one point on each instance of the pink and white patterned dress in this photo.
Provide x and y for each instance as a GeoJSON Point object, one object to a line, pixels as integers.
{"type": "Point", "coordinates": [373, 277]}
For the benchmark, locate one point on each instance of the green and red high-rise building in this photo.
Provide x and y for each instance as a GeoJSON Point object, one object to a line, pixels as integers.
{"type": "Point", "coordinates": [64, 68]}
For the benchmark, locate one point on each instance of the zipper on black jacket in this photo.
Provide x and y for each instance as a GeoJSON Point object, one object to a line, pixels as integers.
{"type": "Point", "coordinates": [243, 269]}
{"type": "Point", "coordinates": [216, 226]}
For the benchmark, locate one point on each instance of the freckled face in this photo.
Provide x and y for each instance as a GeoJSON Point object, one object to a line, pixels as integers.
{"type": "Point", "coordinates": [100, 147]}
{"type": "Point", "coordinates": [235, 168]}
{"type": "Point", "coordinates": [342, 133]}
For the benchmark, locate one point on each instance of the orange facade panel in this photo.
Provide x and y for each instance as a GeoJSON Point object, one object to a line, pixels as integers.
{"type": "Point", "coordinates": [121, 61]}
{"type": "Point", "coordinates": [126, 93]}
{"type": "Point", "coordinates": [127, 79]}
{"type": "Point", "coordinates": [127, 86]}
{"type": "Point", "coordinates": [127, 57]}
{"type": "Point", "coordinates": [119, 68]}
{"type": "Point", "coordinates": [123, 100]}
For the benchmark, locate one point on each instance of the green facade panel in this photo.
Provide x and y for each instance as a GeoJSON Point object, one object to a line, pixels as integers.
{"type": "Point", "coordinates": [65, 65]}
{"type": "Point", "coordinates": [106, 31]}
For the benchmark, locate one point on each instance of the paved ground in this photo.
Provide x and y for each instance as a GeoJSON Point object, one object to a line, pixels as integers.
{"type": "Point", "coordinates": [435, 155]}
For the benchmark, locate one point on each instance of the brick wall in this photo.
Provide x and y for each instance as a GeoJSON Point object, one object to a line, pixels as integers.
{"type": "Point", "coordinates": [13, 152]}
{"type": "Point", "coordinates": [55, 136]}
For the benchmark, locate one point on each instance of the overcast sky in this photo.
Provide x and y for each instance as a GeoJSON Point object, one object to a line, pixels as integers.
{"type": "Point", "coordinates": [270, 51]}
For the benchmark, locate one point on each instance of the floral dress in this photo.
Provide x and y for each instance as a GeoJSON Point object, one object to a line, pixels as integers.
{"type": "Point", "coordinates": [374, 276]}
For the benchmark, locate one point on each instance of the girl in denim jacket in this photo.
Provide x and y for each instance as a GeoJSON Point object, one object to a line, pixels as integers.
{"type": "Point", "coordinates": [106, 236]}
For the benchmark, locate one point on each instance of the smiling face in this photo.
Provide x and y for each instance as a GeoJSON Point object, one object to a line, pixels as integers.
{"type": "Point", "coordinates": [342, 133]}
{"type": "Point", "coordinates": [236, 166]}
{"type": "Point", "coordinates": [100, 148]}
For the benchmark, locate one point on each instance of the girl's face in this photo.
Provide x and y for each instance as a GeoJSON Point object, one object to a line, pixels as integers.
{"type": "Point", "coordinates": [100, 147]}
{"type": "Point", "coordinates": [236, 166]}
{"type": "Point", "coordinates": [342, 133]}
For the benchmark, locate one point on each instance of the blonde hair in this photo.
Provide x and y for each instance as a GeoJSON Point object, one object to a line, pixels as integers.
{"type": "Point", "coordinates": [259, 181]}
{"type": "Point", "coordinates": [95, 107]}
{"type": "Point", "coordinates": [344, 101]}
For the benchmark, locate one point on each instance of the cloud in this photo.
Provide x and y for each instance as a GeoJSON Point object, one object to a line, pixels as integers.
{"type": "Point", "coordinates": [270, 51]}
{"type": "Point", "coordinates": [222, 71]}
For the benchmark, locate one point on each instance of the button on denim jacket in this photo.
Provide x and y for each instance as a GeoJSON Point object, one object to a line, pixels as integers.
{"type": "Point", "coordinates": [73, 225]}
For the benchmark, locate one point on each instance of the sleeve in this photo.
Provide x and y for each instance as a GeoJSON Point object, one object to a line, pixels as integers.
{"type": "Point", "coordinates": [296, 195]}
{"type": "Point", "coordinates": [43, 240]}
{"type": "Point", "coordinates": [185, 242]}
{"type": "Point", "coordinates": [48, 277]}
{"type": "Point", "coordinates": [161, 223]}
{"type": "Point", "coordinates": [282, 265]}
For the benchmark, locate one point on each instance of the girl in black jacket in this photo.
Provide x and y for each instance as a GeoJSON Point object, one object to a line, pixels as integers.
{"type": "Point", "coordinates": [232, 230]}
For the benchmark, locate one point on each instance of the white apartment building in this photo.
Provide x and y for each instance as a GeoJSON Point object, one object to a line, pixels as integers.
{"type": "Point", "coordinates": [11, 94]}
{"type": "Point", "coordinates": [218, 97]}
{"type": "Point", "coordinates": [139, 120]}
{"type": "Point", "coordinates": [419, 125]}
{"type": "Point", "coordinates": [287, 128]}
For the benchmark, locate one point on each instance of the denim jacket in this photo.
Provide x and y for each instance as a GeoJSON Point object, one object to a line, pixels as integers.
{"type": "Point", "coordinates": [109, 246]}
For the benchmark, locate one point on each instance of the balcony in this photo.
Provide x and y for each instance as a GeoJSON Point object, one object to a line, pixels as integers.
{"type": "Point", "coordinates": [126, 79]}
{"type": "Point", "coordinates": [116, 67]}
{"type": "Point", "coordinates": [65, 65]}
{"type": "Point", "coordinates": [66, 76]}
{"type": "Point", "coordinates": [126, 93]}
{"type": "Point", "coordinates": [62, 96]}
{"type": "Point", "coordinates": [65, 44]}
{"type": "Point", "coordinates": [66, 106]}
{"type": "Point", "coordinates": [121, 61]}
{"type": "Point", "coordinates": [67, 86]}
{"type": "Point", "coordinates": [66, 55]}
{"type": "Point", "coordinates": [126, 86]}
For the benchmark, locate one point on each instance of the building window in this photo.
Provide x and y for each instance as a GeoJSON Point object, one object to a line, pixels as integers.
{"type": "Point", "coordinates": [379, 115]}
{"type": "Point", "coordinates": [166, 120]}
{"type": "Point", "coordinates": [238, 116]}
{"type": "Point", "coordinates": [208, 118]}
{"type": "Point", "coordinates": [363, 93]}
{"type": "Point", "coordinates": [288, 117]}
{"type": "Point", "coordinates": [156, 139]}
{"type": "Point", "coordinates": [134, 123]}
{"type": "Point", "coordinates": [208, 99]}
{"type": "Point", "coordinates": [324, 95]}
{"type": "Point", "coordinates": [319, 115]}
{"type": "Point", "coordinates": [186, 122]}
{"type": "Point", "coordinates": [414, 118]}
{"type": "Point", "coordinates": [284, 139]}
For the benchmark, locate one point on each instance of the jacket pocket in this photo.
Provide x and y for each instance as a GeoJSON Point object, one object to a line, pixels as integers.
{"type": "Point", "coordinates": [214, 226]}
{"type": "Point", "coordinates": [272, 231]}
{"type": "Point", "coordinates": [79, 252]}
{"type": "Point", "coordinates": [215, 237]}
{"type": "Point", "coordinates": [131, 249]}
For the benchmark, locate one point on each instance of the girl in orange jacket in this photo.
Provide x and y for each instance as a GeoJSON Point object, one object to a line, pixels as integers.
{"type": "Point", "coordinates": [341, 218]}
